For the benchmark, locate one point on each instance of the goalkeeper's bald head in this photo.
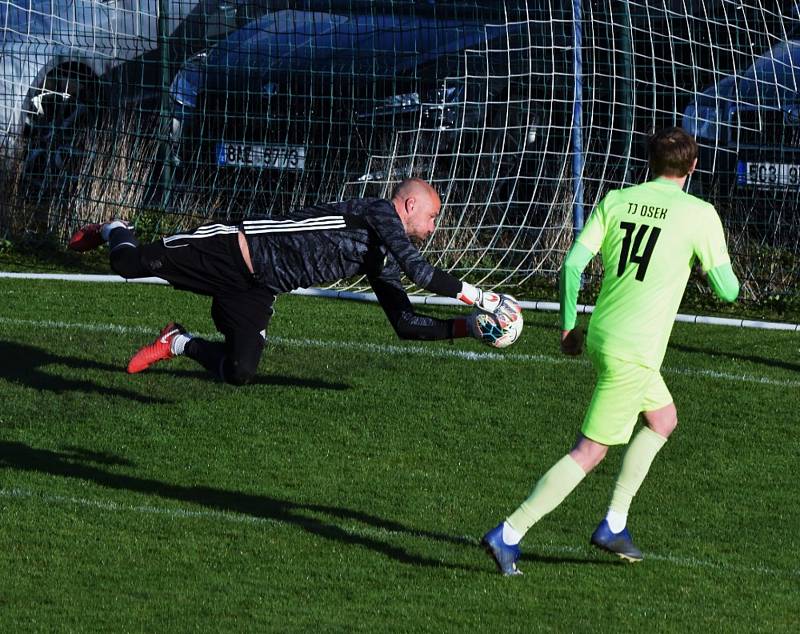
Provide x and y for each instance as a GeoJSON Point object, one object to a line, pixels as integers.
{"type": "Point", "coordinates": [414, 188]}
{"type": "Point", "coordinates": [418, 206]}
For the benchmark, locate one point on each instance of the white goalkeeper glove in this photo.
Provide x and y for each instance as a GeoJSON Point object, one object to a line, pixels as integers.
{"type": "Point", "coordinates": [485, 300]}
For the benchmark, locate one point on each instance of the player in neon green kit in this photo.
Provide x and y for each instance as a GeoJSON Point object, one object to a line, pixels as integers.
{"type": "Point", "coordinates": [649, 237]}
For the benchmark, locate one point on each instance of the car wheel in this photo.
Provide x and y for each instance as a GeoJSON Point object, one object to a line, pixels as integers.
{"type": "Point", "coordinates": [60, 114]}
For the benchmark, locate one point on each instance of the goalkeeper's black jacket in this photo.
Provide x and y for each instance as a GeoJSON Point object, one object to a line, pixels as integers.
{"type": "Point", "coordinates": [329, 242]}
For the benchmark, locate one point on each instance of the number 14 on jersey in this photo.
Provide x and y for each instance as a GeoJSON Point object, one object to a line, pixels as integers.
{"type": "Point", "coordinates": [632, 245]}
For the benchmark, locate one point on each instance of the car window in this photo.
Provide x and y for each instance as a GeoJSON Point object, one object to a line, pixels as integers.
{"type": "Point", "coordinates": [773, 74]}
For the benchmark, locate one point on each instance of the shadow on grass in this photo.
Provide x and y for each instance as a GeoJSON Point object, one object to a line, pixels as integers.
{"type": "Point", "coordinates": [772, 363]}
{"type": "Point", "coordinates": [259, 379]}
{"type": "Point", "coordinates": [85, 465]}
{"type": "Point", "coordinates": [25, 365]}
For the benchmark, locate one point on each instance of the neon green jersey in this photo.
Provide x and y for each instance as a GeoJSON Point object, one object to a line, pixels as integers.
{"type": "Point", "coordinates": [649, 236]}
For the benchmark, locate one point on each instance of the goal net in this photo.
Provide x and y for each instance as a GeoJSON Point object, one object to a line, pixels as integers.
{"type": "Point", "coordinates": [523, 114]}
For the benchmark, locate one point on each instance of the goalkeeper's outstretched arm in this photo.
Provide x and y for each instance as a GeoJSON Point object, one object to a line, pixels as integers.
{"type": "Point", "coordinates": [407, 323]}
{"type": "Point", "coordinates": [384, 221]}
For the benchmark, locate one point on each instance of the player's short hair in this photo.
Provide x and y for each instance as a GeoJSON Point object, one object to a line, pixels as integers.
{"type": "Point", "coordinates": [671, 152]}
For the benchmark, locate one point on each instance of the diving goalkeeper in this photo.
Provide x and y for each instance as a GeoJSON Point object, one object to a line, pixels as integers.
{"type": "Point", "coordinates": [243, 267]}
{"type": "Point", "coordinates": [649, 237]}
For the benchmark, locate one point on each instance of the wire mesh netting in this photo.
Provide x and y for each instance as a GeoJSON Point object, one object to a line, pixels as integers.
{"type": "Point", "coordinates": [522, 114]}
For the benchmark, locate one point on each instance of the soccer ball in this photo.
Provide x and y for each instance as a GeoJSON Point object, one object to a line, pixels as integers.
{"type": "Point", "coordinates": [501, 327]}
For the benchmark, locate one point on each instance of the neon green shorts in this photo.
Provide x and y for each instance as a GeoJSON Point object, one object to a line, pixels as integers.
{"type": "Point", "coordinates": [623, 390]}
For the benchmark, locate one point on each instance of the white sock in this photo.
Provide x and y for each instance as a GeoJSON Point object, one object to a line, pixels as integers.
{"type": "Point", "coordinates": [510, 536]}
{"type": "Point", "coordinates": [616, 520]}
{"type": "Point", "coordinates": [108, 227]}
{"type": "Point", "coordinates": [178, 343]}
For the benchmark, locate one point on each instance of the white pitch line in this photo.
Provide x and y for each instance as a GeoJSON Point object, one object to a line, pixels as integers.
{"type": "Point", "coordinates": [429, 300]}
{"type": "Point", "coordinates": [418, 350]}
{"type": "Point", "coordinates": [739, 378]}
{"type": "Point", "coordinates": [510, 356]}
{"type": "Point", "coordinates": [357, 531]}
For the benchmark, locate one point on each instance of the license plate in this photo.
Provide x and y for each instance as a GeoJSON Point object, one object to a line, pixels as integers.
{"type": "Point", "coordinates": [768, 175]}
{"type": "Point", "coordinates": [281, 157]}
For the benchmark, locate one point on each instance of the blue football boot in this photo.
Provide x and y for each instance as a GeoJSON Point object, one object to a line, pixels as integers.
{"type": "Point", "coordinates": [504, 555]}
{"type": "Point", "coordinates": [619, 544]}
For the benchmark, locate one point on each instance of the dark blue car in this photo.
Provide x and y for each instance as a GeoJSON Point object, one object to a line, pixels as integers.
{"type": "Point", "coordinates": [748, 125]}
{"type": "Point", "coordinates": [304, 105]}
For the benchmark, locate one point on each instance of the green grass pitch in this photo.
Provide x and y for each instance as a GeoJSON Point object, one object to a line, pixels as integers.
{"type": "Point", "coordinates": [346, 489]}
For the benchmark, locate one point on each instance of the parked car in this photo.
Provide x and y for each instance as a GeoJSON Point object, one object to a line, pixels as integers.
{"type": "Point", "coordinates": [60, 59]}
{"type": "Point", "coordinates": [299, 105]}
{"type": "Point", "coordinates": [748, 125]}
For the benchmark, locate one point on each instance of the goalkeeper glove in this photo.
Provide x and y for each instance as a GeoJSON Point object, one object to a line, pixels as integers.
{"type": "Point", "coordinates": [498, 328]}
{"type": "Point", "coordinates": [485, 300]}
{"type": "Point", "coordinates": [508, 310]}
{"type": "Point", "coordinates": [483, 325]}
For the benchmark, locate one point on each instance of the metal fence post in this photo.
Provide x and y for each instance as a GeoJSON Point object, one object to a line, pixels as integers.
{"type": "Point", "coordinates": [164, 109]}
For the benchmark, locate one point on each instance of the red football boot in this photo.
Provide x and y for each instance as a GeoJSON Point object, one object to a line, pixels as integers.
{"type": "Point", "coordinates": [159, 350]}
{"type": "Point", "coordinates": [86, 238]}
